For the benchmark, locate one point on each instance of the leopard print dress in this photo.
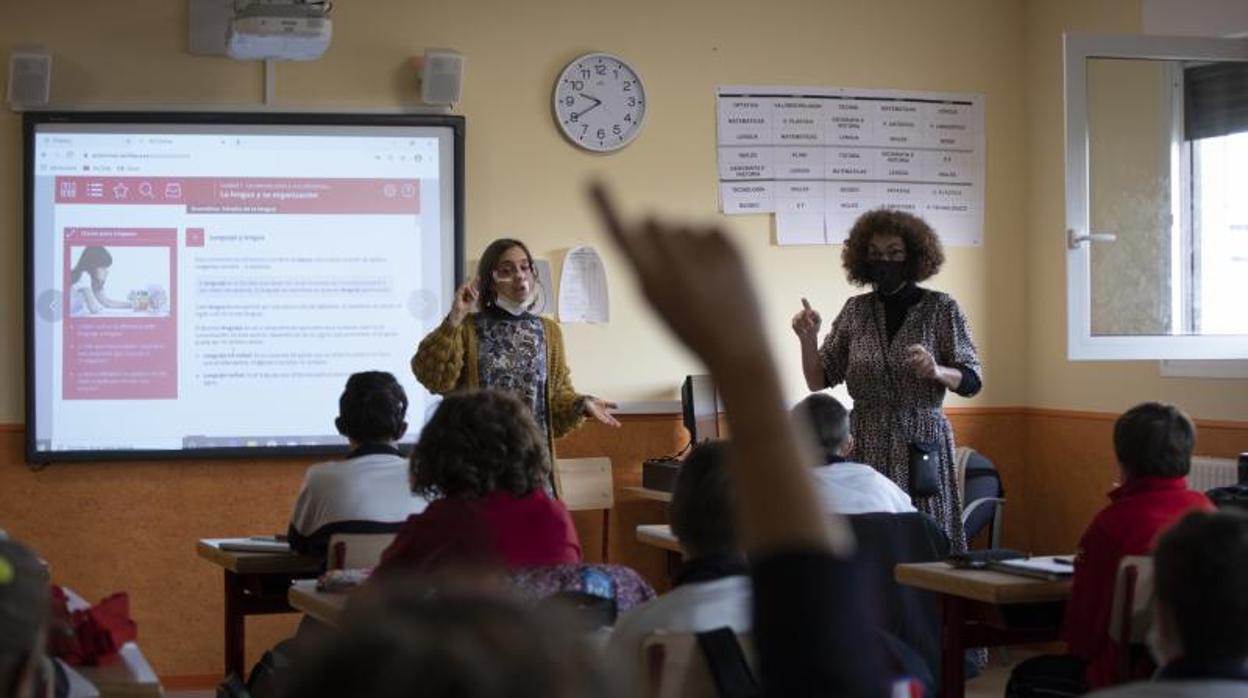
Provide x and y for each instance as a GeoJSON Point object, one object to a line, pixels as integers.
{"type": "Point", "coordinates": [892, 406]}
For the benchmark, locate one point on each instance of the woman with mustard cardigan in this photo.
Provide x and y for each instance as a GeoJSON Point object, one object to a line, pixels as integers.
{"type": "Point", "coordinates": [505, 347]}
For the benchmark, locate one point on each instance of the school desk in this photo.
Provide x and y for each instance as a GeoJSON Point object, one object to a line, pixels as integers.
{"type": "Point", "coordinates": [971, 605]}
{"type": "Point", "coordinates": [255, 584]}
{"type": "Point", "coordinates": [128, 675]}
{"type": "Point", "coordinates": [325, 606]}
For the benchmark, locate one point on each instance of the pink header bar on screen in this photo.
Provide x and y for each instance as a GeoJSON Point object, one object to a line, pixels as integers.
{"type": "Point", "coordinates": [246, 194]}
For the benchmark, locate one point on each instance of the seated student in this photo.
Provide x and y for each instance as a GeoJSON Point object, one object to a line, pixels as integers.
{"type": "Point", "coordinates": [482, 462]}
{"type": "Point", "coordinates": [1201, 614]}
{"type": "Point", "coordinates": [846, 487]}
{"type": "Point", "coordinates": [713, 587]}
{"type": "Point", "coordinates": [1153, 443]}
{"type": "Point", "coordinates": [369, 491]}
{"type": "Point", "coordinates": [25, 605]}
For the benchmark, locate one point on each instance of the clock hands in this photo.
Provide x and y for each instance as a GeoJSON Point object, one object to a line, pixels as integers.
{"type": "Point", "coordinates": [597, 103]}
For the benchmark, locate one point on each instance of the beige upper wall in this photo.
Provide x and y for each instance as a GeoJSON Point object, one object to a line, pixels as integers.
{"type": "Point", "coordinates": [524, 180]}
{"type": "Point", "coordinates": [1054, 381]}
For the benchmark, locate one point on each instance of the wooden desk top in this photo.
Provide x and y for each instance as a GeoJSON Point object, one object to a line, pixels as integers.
{"type": "Point", "coordinates": [980, 585]}
{"type": "Point", "coordinates": [325, 606]}
{"type": "Point", "coordinates": [660, 536]}
{"type": "Point", "coordinates": [255, 563]}
{"type": "Point", "coordinates": [127, 676]}
{"type": "Point", "coordinates": [646, 493]}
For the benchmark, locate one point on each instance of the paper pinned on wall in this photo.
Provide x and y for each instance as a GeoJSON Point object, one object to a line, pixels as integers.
{"type": "Point", "coordinates": [838, 152]}
{"type": "Point", "coordinates": [799, 228]}
{"type": "Point", "coordinates": [544, 301]}
{"type": "Point", "coordinates": [583, 287]}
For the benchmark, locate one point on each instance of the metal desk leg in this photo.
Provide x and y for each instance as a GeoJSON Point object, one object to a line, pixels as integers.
{"type": "Point", "coordinates": [953, 653]}
{"type": "Point", "coordinates": [235, 625]}
{"type": "Point", "coordinates": [674, 562]}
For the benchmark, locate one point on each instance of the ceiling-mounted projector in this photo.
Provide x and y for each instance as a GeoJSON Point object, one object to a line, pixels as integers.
{"type": "Point", "coordinates": [290, 30]}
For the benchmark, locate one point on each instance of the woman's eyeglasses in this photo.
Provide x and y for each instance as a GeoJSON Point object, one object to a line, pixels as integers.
{"type": "Point", "coordinates": [509, 273]}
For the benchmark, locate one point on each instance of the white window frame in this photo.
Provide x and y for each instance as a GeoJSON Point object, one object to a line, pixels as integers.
{"type": "Point", "coordinates": [1081, 344]}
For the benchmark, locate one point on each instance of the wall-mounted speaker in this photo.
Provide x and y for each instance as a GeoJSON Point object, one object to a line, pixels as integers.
{"type": "Point", "coordinates": [441, 74]}
{"type": "Point", "coordinates": [30, 78]}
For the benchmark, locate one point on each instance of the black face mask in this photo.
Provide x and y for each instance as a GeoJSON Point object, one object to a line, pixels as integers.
{"type": "Point", "coordinates": [886, 276]}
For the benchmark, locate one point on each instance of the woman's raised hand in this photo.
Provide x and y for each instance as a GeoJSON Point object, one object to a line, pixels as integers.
{"type": "Point", "coordinates": [807, 322]}
{"type": "Point", "coordinates": [465, 300]}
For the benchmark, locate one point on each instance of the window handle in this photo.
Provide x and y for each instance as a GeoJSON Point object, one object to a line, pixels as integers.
{"type": "Point", "coordinates": [1074, 240]}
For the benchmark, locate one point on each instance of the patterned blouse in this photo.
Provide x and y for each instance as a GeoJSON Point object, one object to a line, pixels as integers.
{"type": "Point", "coordinates": [892, 406]}
{"type": "Point", "coordinates": [512, 358]}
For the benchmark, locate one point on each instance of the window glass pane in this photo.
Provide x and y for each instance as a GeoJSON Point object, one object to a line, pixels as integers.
{"type": "Point", "coordinates": [1220, 234]}
{"type": "Point", "coordinates": [1132, 151]}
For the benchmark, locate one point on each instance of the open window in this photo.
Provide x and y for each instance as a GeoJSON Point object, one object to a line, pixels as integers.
{"type": "Point", "coordinates": [1156, 197]}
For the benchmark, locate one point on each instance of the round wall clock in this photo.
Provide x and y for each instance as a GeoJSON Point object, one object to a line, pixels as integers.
{"type": "Point", "coordinates": [600, 102]}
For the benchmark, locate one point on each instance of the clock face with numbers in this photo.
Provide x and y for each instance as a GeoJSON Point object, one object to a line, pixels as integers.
{"type": "Point", "coordinates": [600, 102]}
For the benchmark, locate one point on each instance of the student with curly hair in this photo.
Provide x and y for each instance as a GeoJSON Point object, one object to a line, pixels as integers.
{"type": "Point", "coordinates": [898, 348]}
{"type": "Point", "coordinates": [482, 461]}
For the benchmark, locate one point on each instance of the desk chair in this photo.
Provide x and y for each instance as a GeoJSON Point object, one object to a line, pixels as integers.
{"type": "Point", "coordinates": [677, 666]}
{"type": "Point", "coordinates": [983, 497]}
{"type": "Point", "coordinates": [586, 484]}
{"type": "Point", "coordinates": [908, 614]}
{"type": "Point", "coordinates": [1131, 616]}
{"type": "Point", "coordinates": [356, 550]}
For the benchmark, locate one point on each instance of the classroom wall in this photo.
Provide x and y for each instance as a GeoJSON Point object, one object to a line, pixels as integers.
{"type": "Point", "coordinates": [1053, 381]}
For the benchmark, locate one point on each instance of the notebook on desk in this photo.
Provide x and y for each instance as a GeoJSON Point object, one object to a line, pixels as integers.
{"type": "Point", "coordinates": [254, 545]}
{"type": "Point", "coordinates": [1051, 568]}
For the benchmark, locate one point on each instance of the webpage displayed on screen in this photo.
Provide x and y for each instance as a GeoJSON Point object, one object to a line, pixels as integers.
{"type": "Point", "coordinates": [214, 286]}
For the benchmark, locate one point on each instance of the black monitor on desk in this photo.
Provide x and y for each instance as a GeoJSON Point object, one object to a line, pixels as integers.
{"type": "Point", "coordinates": [700, 407]}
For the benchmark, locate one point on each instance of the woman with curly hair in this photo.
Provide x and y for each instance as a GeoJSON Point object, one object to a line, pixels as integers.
{"type": "Point", "coordinates": [481, 461]}
{"type": "Point", "coordinates": [898, 349]}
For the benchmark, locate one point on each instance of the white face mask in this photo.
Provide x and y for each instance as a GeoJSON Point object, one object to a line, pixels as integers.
{"type": "Point", "coordinates": [513, 307]}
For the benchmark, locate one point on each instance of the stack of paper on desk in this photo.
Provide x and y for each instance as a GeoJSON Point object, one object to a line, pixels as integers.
{"type": "Point", "coordinates": [1050, 567]}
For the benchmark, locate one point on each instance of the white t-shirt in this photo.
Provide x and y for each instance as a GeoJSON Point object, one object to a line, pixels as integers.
{"type": "Point", "coordinates": [689, 608]}
{"type": "Point", "coordinates": [854, 488]}
{"type": "Point", "coordinates": [78, 295]}
{"type": "Point", "coordinates": [372, 487]}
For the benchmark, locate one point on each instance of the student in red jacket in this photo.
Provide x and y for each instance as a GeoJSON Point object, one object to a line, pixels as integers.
{"type": "Point", "coordinates": [1153, 443]}
{"type": "Point", "coordinates": [482, 462]}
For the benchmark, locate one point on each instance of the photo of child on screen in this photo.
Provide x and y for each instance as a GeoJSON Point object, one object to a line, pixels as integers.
{"type": "Point", "coordinates": [144, 270]}
{"type": "Point", "coordinates": [86, 295]}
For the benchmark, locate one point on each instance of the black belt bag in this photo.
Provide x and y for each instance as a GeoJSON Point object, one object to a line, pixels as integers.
{"type": "Point", "coordinates": [924, 468]}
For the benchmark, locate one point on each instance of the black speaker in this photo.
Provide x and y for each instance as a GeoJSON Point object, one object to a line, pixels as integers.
{"type": "Point", "coordinates": [441, 74]}
{"type": "Point", "coordinates": [30, 78]}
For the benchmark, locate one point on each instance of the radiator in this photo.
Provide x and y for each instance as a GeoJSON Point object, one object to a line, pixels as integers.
{"type": "Point", "coordinates": [1208, 473]}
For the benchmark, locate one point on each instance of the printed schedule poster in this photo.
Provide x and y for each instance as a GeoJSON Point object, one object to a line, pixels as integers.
{"type": "Point", "coordinates": [819, 157]}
